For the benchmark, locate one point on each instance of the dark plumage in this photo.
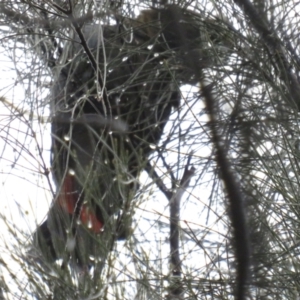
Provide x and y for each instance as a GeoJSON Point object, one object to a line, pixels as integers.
{"type": "Point", "coordinates": [104, 124]}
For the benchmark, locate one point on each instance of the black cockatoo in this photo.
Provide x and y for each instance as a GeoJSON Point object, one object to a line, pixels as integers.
{"type": "Point", "coordinates": [106, 118]}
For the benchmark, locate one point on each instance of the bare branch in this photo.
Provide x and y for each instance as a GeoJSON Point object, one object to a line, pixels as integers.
{"type": "Point", "coordinates": [176, 288]}
{"type": "Point", "coordinates": [235, 198]}
{"type": "Point", "coordinates": [158, 181]}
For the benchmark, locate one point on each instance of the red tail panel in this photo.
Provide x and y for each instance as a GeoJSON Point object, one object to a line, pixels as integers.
{"type": "Point", "coordinates": [68, 200]}
{"type": "Point", "coordinates": [68, 196]}
{"type": "Point", "coordinates": [89, 219]}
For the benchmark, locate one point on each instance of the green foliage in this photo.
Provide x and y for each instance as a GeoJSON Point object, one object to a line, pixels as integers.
{"type": "Point", "coordinates": [249, 55]}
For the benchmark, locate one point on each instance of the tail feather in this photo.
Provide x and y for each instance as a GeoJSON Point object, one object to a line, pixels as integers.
{"type": "Point", "coordinates": [50, 235]}
{"type": "Point", "coordinates": [69, 201]}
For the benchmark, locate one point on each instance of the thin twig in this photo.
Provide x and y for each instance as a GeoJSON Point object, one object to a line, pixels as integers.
{"type": "Point", "coordinates": [275, 47]}
{"type": "Point", "coordinates": [77, 27]}
{"type": "Point", "coordinates": [158, 181]}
